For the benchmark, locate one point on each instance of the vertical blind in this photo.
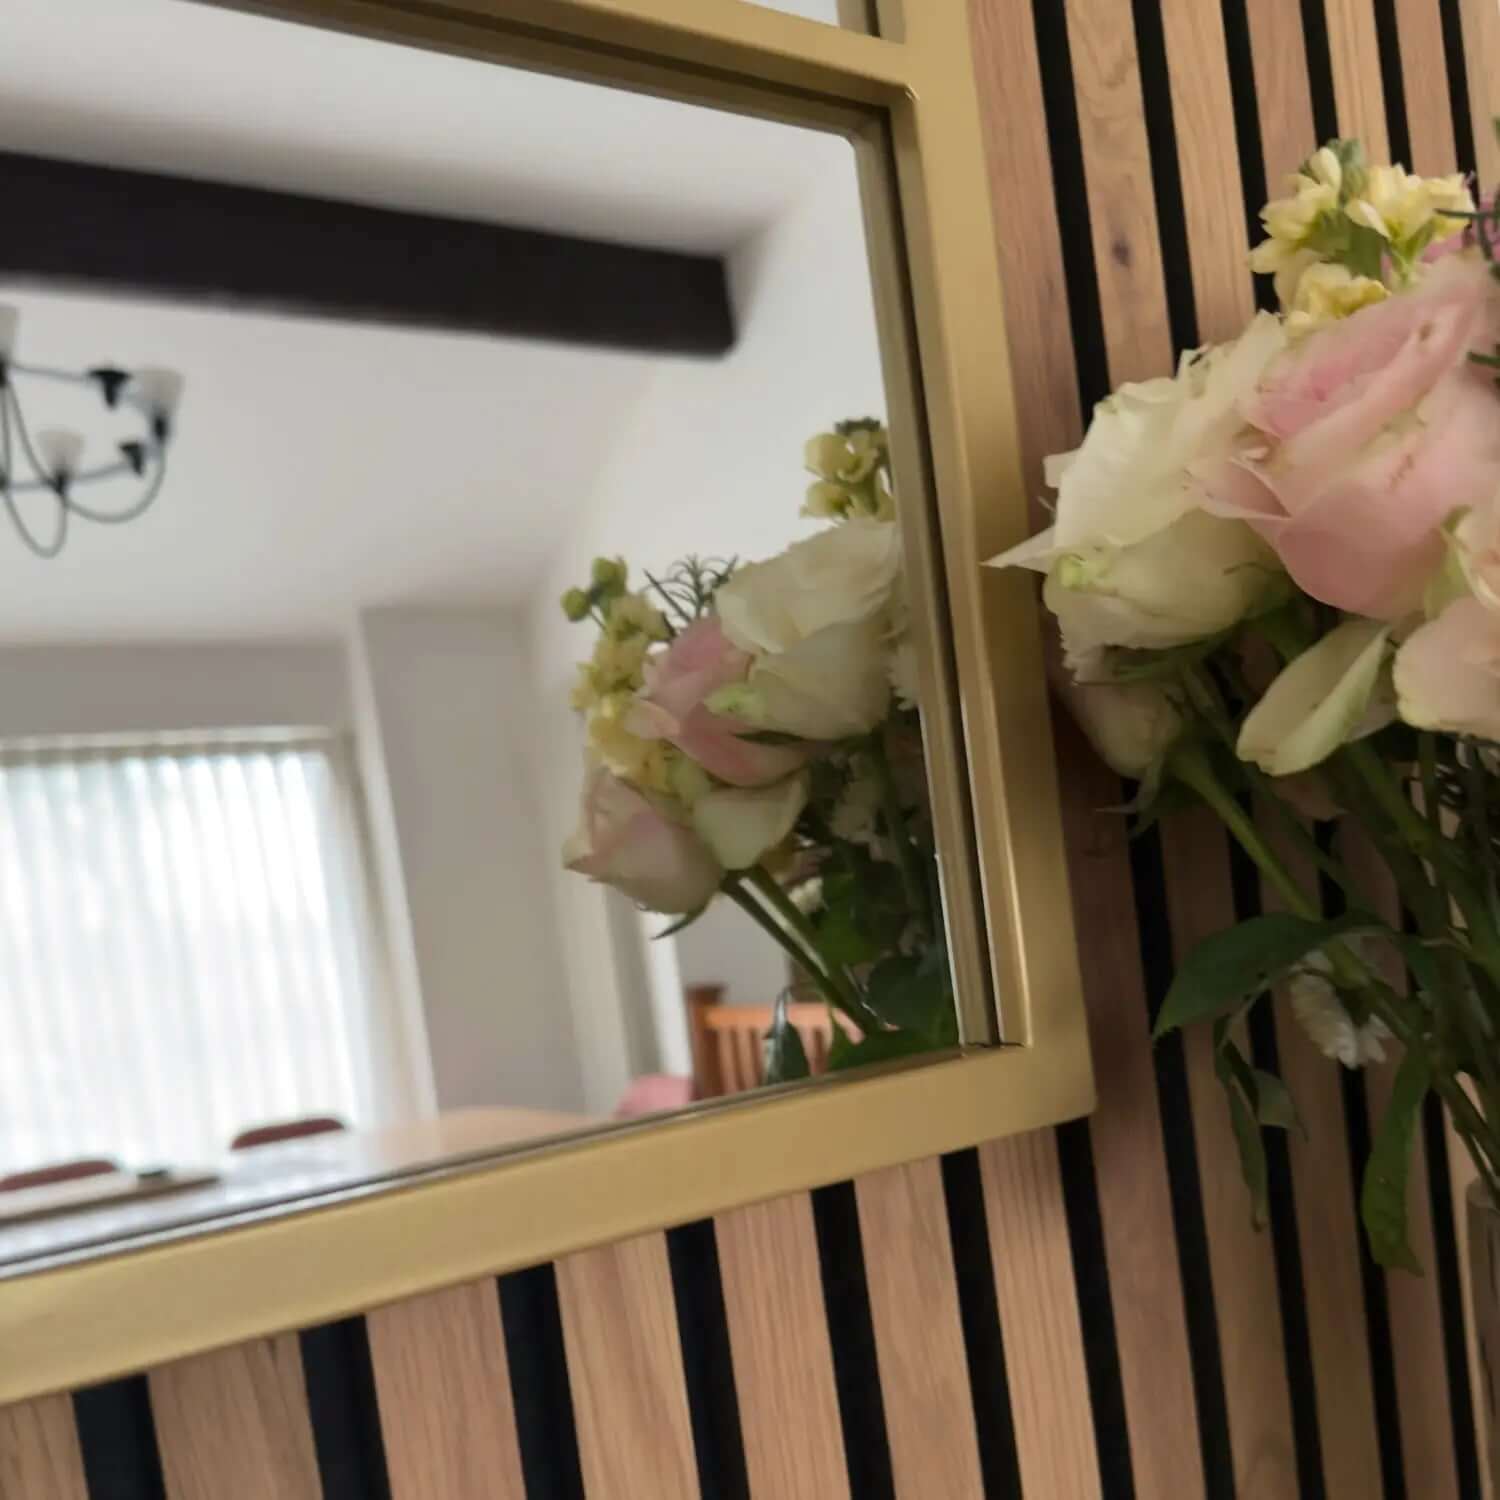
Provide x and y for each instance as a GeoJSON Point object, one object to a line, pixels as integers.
{"type": "Point", "coordinates": [185, 947]}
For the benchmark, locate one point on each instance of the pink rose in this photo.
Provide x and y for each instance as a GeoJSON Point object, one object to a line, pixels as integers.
{"type": "Point", "coordinates": [1448, 672]}
{"type": "Point", "coordinates": [1377, 429]}
{"type": "Point", "coordinates": [624, 841]}
{"type": "Point", "coordinates": [671, 707]}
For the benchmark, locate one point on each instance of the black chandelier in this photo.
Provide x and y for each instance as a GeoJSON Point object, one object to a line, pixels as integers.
{"type": "Point", "coordinates": [47, 462]}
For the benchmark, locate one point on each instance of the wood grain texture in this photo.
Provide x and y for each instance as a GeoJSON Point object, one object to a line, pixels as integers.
{"type": "Point", "coordinates": [1359, 94]}
{"type": "Point", "coordinates": [625, 1369]}
{"type": "Point", "coordinates": [1462, 1173]}
{"type": "Point", "coordinates": [39, 1457]}
{"type": "Point", "coordinates": [1481, 34]}
{"type": "Point", "coordinates": [1038, 1306]}
{"type": "Point", "coordinates": [1424, 74]}
{"type": "Point", "coordinates": [783, 1361]}
{"type": "Point", "coordinates": [1208, 159]}
{"type": "Point", "coordinates": [919, 1341]}
{"type": "Point", "coordinates": [1241, 1259]}
{"type": "Point", "coordinates": [1283, 98]}
{"type": "Point", "coordinates": [233, 1425]}
{"type": "Point", "coordinates": [443, 1384]}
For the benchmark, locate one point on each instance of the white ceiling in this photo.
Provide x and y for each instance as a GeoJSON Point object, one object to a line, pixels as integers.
{"type": "Point", "coordinates": [321, 466]}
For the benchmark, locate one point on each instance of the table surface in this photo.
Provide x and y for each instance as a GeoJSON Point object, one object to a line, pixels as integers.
{"type": "Point", "coordinates": [292, 1173]}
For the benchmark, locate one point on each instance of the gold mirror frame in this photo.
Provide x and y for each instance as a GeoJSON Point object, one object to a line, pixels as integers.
{"type": "Point", "coordinates": [908, 101]}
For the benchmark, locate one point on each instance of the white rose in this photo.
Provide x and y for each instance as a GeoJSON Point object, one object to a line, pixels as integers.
{"type": "Point", "coordinates": [1130, 485]}
{"type": "Point", "coordinates": [843, 573]}
{"type": "Point", "coordinates": [739, 824]}
{"type": "Point", "coordinates": [1194, 578]}
{"type": "Point", "coordinates": [1336, 691]}
{"type": "Point", "coordinates": [1131, 724]}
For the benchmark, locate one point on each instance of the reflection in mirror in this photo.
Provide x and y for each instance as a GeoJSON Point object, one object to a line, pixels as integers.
{"type": "Point", "coordinates": [287, 759]}
{"type": "Point", "coordinates": [851, 14]}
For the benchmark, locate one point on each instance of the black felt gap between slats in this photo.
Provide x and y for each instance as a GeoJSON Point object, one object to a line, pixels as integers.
{"type": "Point", "coordinates": [117, 1438]}
{"type": "Point", "coordinates": [344, 1410]}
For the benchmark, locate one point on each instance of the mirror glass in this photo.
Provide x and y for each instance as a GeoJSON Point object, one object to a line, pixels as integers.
{"type": "Point", "coordinates": [851, 14]}
{"type": "Point", "coordinates": [456, 665]}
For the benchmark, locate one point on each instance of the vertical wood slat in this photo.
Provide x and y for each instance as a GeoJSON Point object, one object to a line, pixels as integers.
{"type": "Point", "coordinates": [624, 1352]}
{"type": "Point", "coordinates": [1247, 1306]}
{"type": "Point", "coordinates": [1462, 1173]}
{"type": "Point", "coordinates": [1135, 1198]}
{"type": "Point", "coordinates": [1424, 75]}
{"type": "Point", "coordinates": [1481, 34]}
{"type": "Point", "coordinates": [1038, 1308]}
{"type": "Point", "coordinates": [783, 1360]}
{"type": "Point", "coordinates": [1283, 95]}
{"type": "Point", "coordinates": [39, 1455]}
{"type": "Point", "coordinates": [234, 1425]}
{"type": "Point", "coordinates": [919, 1341]}
{"type": "Point", "coordinates": [1358, 89]}
{"type": "Point", "coordinates": [1328, 1237]}
{"type": "Point", "coordinates": [443, 1384]}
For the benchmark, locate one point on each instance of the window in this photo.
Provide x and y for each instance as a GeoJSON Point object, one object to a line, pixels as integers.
{"type": "Point", "coordinates": [185, 947]}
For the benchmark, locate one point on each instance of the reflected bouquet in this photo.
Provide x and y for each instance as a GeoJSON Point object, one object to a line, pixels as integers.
{"type": "Point", "coordinates": [1276, 577]}
{"type": "Point", "coordinates": [753, 736]}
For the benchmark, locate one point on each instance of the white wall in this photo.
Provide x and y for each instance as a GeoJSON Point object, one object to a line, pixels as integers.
{"type": "Point", "coordinates": [710, 462]}
{"type": "Point", "coordinates": [143, 689]}
{"type": "Point", "coordinates": [445, 698]}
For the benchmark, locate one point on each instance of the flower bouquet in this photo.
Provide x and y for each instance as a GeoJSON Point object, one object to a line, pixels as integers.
{"type": "Point", "coordinates": [1276, 577]}
{"type": "Point", "coordinates": [753, 736]}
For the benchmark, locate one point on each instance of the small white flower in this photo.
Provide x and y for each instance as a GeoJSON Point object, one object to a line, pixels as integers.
{"type": "Point", "coordinates": [853, 818]}
{"type": "Point", "coordinates": [904, 678]}
{"type": "Point", "coordinates": [1331, 1028]}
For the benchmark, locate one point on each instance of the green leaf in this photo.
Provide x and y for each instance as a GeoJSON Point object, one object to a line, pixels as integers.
{"type": "Point", "coordinates": [1235, 965]}
{"type": "Point", "coordinates": [686, 920]}
{"type": "Point", "coordinates": [878, 1047]}
{"type": "Point", "coordinates": [786, 1058]}
{"type": "Point", "coordinates": [1274, 1104]}
{"type": "Point", "coordinates": [912, 991]}
{"type": "Point", "coordinates": [1382, 1199]}
{"type": "Point", "coordinates": [1365, 251]}
{"type": "Point", "coordinates": [1252, 1149]}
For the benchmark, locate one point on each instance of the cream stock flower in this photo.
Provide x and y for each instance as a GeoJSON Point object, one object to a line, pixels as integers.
{"type": "Point", "coordinates": [1325, 291]}
{"type": "Point", "coordinates": [1402, 207]}
{"type": "Point", "coordinates": [642, 762]}
{"type": "Point", "coordinates": [634, 617]}
{"type": "Point", "coordinates": [1290, 221]}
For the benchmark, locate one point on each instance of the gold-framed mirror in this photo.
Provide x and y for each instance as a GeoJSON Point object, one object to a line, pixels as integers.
{"type": "Point", "coordinates": [879, 128]}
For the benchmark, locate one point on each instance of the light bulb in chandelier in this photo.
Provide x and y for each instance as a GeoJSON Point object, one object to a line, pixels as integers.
{"type": "Point", "coordinates": [157, 392]}
{"type": "Point", "coordinates": [60, 450]}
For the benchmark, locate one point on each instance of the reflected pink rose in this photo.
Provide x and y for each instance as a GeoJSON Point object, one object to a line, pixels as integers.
{"type": "Point", "coordinates": [671, 707]}
{"type": "Point", "coordinates": [626, 842]}
{"type": "Point", "coordinates": [1377, 428]}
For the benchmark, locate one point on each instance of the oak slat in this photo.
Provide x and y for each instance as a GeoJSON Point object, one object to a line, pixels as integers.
{"type": "Point", "coordinates": [1424, 74]}
{"type": "Point", "coordinates": [1359, 94]}
{"type": "Point", "coordinates": [1247, 1307]}
{"type": "Point", "coordinates": [1461, 1172]}
{"type": "Point", "coordinates": [1328, 1235]}
{"type": "Point", "coordinates": [1038, 1306]}
{"type": "Point", "coordinates": [39, 1454]}
{"type": "Point", "coordinates": [443, 1385]}
{"type": "Point", "coordinates": [1213, 201]}
{"type": "Point", "coordinates": [1283, 97]}
{"type": "Point", "coordinates": [1481, 33]}
{"type": "Point", "coordinates": [619, 1322]}
{"type": "Point", "coordinates": [919, 1341]}
{"type": "Point", "coordinates": [783, 1360]}
{"type": "Point", "coordinates": [233, 1425]}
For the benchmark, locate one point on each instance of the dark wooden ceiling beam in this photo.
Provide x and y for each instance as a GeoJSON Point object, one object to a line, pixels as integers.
{"type": "Point", "coordinates": [100, 229]}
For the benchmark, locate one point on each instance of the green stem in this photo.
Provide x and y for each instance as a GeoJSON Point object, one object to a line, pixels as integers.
{"type": "Point", "coordinates": [735, 889]}
{"type": "Point", "coordinates": [895, 821]}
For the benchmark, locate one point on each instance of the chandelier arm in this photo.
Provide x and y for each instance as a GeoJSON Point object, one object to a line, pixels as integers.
{"type": "Point", "coordinates": [84, 476]}
{"type": "Point", "coordinates": [44, 550]}
{"type": "Point", "coordinates": [37, 466]}
{"type": "Point", "coordinates": [45, 372]}
{"type": "Point", "coordinates": [139, 507]}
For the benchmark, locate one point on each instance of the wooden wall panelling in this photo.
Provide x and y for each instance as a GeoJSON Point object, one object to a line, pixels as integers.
{"type": "Point", "coordinates": [924, 1377]}
{"type": "Point", "coordinates": [1424, 75]}
{"type": "Point", "coordinates": [39, 1454]}
{"type": "Point", "coordinates": [1327, 1231]}
{"type": "Point", "coordinates": [1481, 35]}
{"type": "Point", "coordinates": [1359, 94]}
{"type": "Point", "coordinates": [783, 1361]}
{"type": "Point", "coordinates": [443, 1384]}
{"type": "Point", "coordinates": [1247, 1308]}
{"type": "Point", "coordinates": [1283, 98]}
{"type": "Point", "coordinates": [1038, 1307]}
{"type": "Point", "coordinates": [233, 1425]}
{"type": "Point", "coordinates": [624, 1351]}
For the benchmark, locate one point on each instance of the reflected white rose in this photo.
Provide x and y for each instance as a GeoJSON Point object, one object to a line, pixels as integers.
{"type": "Point", "coordinates": [741, 824]}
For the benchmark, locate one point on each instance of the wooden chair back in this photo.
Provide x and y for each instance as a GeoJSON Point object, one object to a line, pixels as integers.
{"type": "Point", "coordinates": [63, 1171]}
{"type": "Point", "coordinates": [285, 1130]}
{"type": "Point", "coordinates": [729, 1041]}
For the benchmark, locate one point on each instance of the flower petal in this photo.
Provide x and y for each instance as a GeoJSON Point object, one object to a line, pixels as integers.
{"type": "Point", "coordinates": [740, 826]}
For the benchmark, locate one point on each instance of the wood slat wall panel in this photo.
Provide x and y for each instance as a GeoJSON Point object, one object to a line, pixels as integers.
{"type": "Point", "coordinates": [783, 1361]}
{"type": "Point", "coordinates": [39, 1453]}
{"type": "Point", "coordinates": [1481, 35]}
{"type": "Point", "coordinates": [1354, 47]}
{"type": "Point", "coordinates": [625, 1367]}
{"type": "Point", "coordinates": [1424, 71]}
{"type": "Point", "coordinates": [1283, 97]}
{"type": "Point", "coordinates": [1038, 1307]}
{"type": "Point", "coordinates": [918, 1336]}
{"type": "Point", "coordinates": [233, 1425]}
{"type": "Point", "coordinates": [443, 1383]}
